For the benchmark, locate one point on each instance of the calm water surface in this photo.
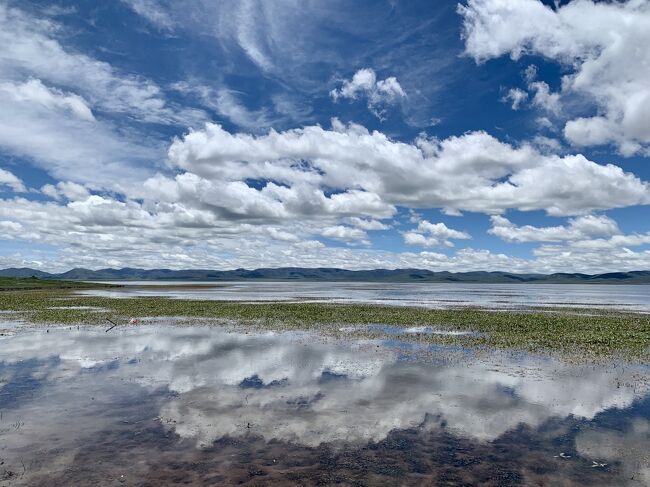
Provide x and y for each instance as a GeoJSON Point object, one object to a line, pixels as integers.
{"type": "Point", "coordinates": [439, 295]}
{"type": "Point", "coordinates": [160, 405]}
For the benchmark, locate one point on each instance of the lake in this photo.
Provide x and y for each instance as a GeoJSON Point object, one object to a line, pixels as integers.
{"type": "Point", "coordinates": [161, 404]}
{"type": "Point", "coordinates": [438, 295]}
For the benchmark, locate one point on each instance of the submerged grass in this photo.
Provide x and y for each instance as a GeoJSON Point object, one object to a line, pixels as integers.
{"type": "Point", "coordinates": [601, 333]}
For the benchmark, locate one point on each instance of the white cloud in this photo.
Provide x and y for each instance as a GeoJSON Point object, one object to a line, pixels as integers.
{"type": "Point", "coordinates": [346, 234]}
{"type": "Point", "coordinates": [281, 39]}
{"type": "Point", "coordinates": [66, 189]}
{"type": "Point", "coordinates": [544, 123]}
{"type": "Point", "coordinates": [547, 144]}
{"type": "Point", "coordinates": [228, 104]}
{"type": "Point", "coordinates": [281, 235]}
{"type": "Point", "coordinates": [11, 180]}
{"type": "Point", "coordinates": [593, 256]}
{"type": "Point", "coordinates": [430, 234]}
{"type": "Point", "coordinates": [275, 37]}
{"type": "Point", "coordinates": [580, 228]}
{"type": "Point", "coordinates": [10, 229]}
{"type": "Point", "coordinates": [365, 224]}
{"type": "Point", "coordinates": [34, 91]}
{"type": "Point", "coordinates": [591, 131]}
{"type": "Point", "coordinates": [473, 172]}
{"type": "Point", "coordinates": [380, 93]}
{"type": "Point", "coordinates": [598, 41]}
{"type": "Point", "coordinates": [235, 199]}
{"type": "Point", "coordinates": [31, 48]}
{"type": "Point", "coordinates": [240, 200]}
{"type": "Point", "coordinates": [298, 44]}
{"type": "Point", "coordinates": [101, 231]}
{"type": "Point", "coordinates": [153, 12]}
{"type": "Point", "coordinates": [76, 117]}
{"type": "Point", "coordinates": [59, 135]}
{"type": "Point", "coordinates": [516, 97]}
{"type": "Point", "coordinates": [544, 98]}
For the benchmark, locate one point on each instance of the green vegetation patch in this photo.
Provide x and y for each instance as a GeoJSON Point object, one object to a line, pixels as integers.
{"type": "Point", "coordinates": [573, 333]}
{"type": "Point", "coordinates": [33, 283]}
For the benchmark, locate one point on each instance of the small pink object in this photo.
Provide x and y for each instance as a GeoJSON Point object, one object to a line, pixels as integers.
{"type": "Point", "coordinates": [134, 321]}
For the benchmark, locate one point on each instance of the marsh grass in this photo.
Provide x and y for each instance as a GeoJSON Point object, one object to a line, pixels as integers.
{"type": "Point", "coordinates": [576, 333]}
{"type": "Point", "coordinates": [33, 283]}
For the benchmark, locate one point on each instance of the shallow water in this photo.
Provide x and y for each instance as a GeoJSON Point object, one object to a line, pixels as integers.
{"type": "Point", "coordinates": [438, 295]}
{"type": "Point", "coordinates": [158, 405]}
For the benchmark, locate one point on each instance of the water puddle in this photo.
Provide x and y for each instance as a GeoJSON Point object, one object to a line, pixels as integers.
{"type": "Point", "coordinates": [158, 405]}
{"type": "Point", "coordinates": [433, 295]}
{"type": "Point", "coordinates": [80, 308]}
{"type": "Point", "coordinates": [8, 328]}
{"type": "Point", "coordinates": [400, 330]}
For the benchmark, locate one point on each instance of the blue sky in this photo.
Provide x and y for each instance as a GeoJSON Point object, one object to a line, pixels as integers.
{"type": "Point", "coordinates": [475, 135]}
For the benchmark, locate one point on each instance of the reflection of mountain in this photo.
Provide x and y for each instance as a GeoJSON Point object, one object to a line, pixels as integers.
{"type": "Point", "coordinates": [331, 274]}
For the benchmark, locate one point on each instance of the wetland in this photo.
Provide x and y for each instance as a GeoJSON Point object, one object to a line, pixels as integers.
{"type": "Point", "coordinates": [312, 392]}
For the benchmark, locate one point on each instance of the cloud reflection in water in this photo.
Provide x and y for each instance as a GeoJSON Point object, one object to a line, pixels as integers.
{"type": "Point", "coordinates": [296, 388]}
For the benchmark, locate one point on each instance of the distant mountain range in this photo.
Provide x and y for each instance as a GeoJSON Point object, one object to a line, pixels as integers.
{"type": "Point", "coordinates": [331, 274]}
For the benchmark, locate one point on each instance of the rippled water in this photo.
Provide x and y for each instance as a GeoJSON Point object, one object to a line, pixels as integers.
{"type": "Point", "coordinates": [159, 405]}
{"type": "Point", "coordinates": [439, 295]}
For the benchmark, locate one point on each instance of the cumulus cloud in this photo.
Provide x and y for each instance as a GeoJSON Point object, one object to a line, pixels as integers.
{"type": "Point", "coordinates": [10, 180]}
{"type": "Point", "coordinates": [542, 96]}
{"type": "Point", "coordinates": [516, 97]}
{"type": "Point", "coordinates": [347, 234]}
{"type": "Point", "coordinates": [380, 93]}
{"type": "Point", "coordinates": [473, 172]}
{"type": "Point", "coordinates": [243, 200]}
{"type": "Point", "coordinates": [595, 256]}
{"type": "Point", "coordinates": [547, 144]}
{"type": "Point", "coordinates": [366, 224]}
{"type": "Point", "coordinates": [256, 197]}
{"type": "Point", "coordinates": [430, 234]}
{"type": "Point", "coordinates": [590, 243]}
{"type": "Point", "coordinates": [100, 232]}
{"type": "Point", "coordinates": [10, 229]}
{"type": "Point", "coordinates": [581, 228]}
{"type": "Point", "coordinates": [597, 41]}
{"type": "Point", "coordinates": [66, 189]}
